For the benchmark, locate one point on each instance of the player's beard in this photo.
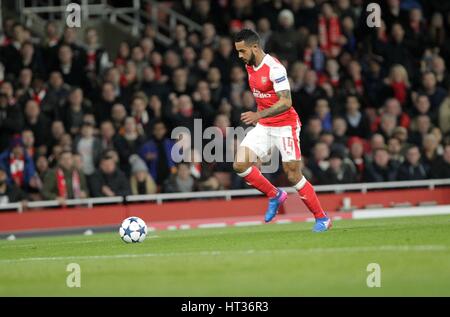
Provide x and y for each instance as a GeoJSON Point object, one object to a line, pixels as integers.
{"type": "Point", "coordinates": [252, 60]}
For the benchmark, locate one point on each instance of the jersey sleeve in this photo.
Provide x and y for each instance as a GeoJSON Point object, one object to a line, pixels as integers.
{"type": "Point", "coordinates": [278, 77]}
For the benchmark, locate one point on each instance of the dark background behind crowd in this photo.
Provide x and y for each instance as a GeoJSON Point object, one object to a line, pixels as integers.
{"type": "Point", "coordinates": [77, 121]}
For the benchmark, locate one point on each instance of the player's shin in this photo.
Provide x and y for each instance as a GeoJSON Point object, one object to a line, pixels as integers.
{"type": "Point", "coordinates": [254, 177]}
{"type": "Point", "coordinates": [309, 197]}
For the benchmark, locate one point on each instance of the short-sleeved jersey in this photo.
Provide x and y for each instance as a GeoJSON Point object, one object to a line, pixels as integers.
{"type": "Point", "coordinates": [265, 81]}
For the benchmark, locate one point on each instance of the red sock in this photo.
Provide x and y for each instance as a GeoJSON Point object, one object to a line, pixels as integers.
{"type": "Point", "coordinates": [254, 177]}
{"type": "Point", "coordinates": [309, 197]}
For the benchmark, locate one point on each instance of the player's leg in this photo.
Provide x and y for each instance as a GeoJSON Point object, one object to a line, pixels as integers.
{"type": "Point", "coordinates": [289, 146]}
{"type": "Point", "coordinates": [307, 194]}
{"type": "Point", "coordinates": [244, 166]}
{"type": "Point", "coordinates": [256, 144]}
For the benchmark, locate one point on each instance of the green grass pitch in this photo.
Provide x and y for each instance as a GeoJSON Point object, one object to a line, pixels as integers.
{"type": "Point", "coordinates": [267, 260]}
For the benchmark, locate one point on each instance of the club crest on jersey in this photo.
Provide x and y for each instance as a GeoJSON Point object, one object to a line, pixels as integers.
{"type": "Point", "coordinates": [263, 80]}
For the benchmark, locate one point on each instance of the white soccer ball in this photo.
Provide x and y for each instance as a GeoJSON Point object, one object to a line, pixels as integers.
{"type": "Point", "coordinates": [133, 230]}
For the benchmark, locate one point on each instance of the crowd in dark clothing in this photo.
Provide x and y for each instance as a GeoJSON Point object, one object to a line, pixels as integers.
{"type": "Point", "coordinates": [374, 102]}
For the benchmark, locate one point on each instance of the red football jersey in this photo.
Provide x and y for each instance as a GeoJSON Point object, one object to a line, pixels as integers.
{"type": "Point", "coordinates": [265, 81]}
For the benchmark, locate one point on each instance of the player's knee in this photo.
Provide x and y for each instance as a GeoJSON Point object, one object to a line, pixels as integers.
{"type": "Point", "coordinates": [294, 177]}
{"type": "Point", "coordinates": [240, 167]}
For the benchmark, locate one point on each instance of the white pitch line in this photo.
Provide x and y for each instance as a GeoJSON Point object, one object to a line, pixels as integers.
{"type": "Point", "coordinates": [283, 221]}
{"type": "Point", "coordinates": [247, 223]}
{"type": "Point", "coordinates": [212, 225]}
{"type": "Point", "coordinates": [30, 245]}
{"type": "Point", "coordinates": [50, 244]}
{"type": "Point", "coordinates": [383, 248]}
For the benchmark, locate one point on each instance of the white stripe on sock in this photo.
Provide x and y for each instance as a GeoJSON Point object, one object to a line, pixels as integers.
{"type": "Point", "coordinates": [246, 172]}
{"type": "Point", "coordinates": [300, 184]}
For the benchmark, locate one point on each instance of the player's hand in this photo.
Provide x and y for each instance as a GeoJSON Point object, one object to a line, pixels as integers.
{"type": "Point", "coordinates": [250, 117]}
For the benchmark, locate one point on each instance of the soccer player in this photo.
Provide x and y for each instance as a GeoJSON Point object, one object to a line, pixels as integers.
{"type": "Point", "coordinates": [277, 124]}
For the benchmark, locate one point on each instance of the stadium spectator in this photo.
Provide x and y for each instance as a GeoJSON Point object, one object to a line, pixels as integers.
{"type": "Point", "coordinates": [387, 125]}
{"type": "Point", "coordinates": [422, 106]}
{"type": "Point", "coordinates": [129, 143]}
{"type": "Point", "coordinates": [118, 116]}
{"type": "Point", "coordinates": [180, 182]}
{"type": "Point", "coordinates": [382, 168]}
{"type": "Point", "coordinates": [318, 163]}
{"type": "Point", "coordinates": [322, 110]}
{"type": "Point", "coordinates": [429, 154]}
{"type": "Point", "coordinates": [435, 94]}
{"type": "Point", "coordinates": [141, 182]}
{"type": "Point", "coordinates": [108, 136]}
{"type": "Point", "coordinates": [340, 130]}
{"type": "Point", "coordinates": [329, 31]}
{"type": "Point", "coordinates": [357, 121]}
{"type": "Point", "coordinates": [103, 107]}
{"type": "Point", "coordinates": [311, 135]}
{"type": "Point", "coordinates": [420, 127]}
{"type": "Point", "coordinates": [285, 41]}
{"type": "Point", "coordinates": [305, 98]}
{"type": "Point", "coordinates": [97, 59]}
{"type": "Point", "coordinates": [412, 168]}
{"type": "Point", "coordinates": [42, 166]}
{"type": "Point", "coordinates": [28, 143]}
{"type": "Point", "coordinates": [11, 120]}
{"type": "Point", "coordinates": [70, 67]}
{"type": "Point", "coordinates": [440, 71]}
{"type": "Point", "coordinates": [357, 156]}
{"type": "Point", "coordinates": [397, 85]}
{"type": "Point", "coordinates": [72, 115]}
{"type": "Point", "coordinates": [9, 193]}
{"type": "Point", "coordinates": [441, 168]}
{"type": "Point", "coordinates": [37, 122]}
{"type": "Point", "coordinates": [64, 181]}
{"type": "Point", "coordinates": [89, 148]}
{"type": "Point", "coordinates": [109, 180]}
{"type": "Point", "coordinates": [139, 106]}
{"type": "Point", "coordinates": [394, 147]}
{"type": "Point", "coordinates": [56, 94]}
{"type": "Point", "coordinates": [18, 165]}
{"type": "Point", "coordinates": [157, 154]}
{"type": "Point", "coordinates": [339, 171]}
{"type": "Point", "coordinates": [444, 116]}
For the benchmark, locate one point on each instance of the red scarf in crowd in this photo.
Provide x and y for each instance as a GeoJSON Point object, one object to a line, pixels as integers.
{"type": "Point", "coordinates": [17, 166]}
{"type": "Point", "coordinates": [329, 34]}
{"type": "Point", "coordinates": [307, 57]}
{"type": "Point", "coordinates": [399, 91]}
{"type": "Point", "coordinates": [91, 59]}
{"type": "Point", "coordinates": [38, 96]}
{"type": "Point", "coordinates": [62, 187]}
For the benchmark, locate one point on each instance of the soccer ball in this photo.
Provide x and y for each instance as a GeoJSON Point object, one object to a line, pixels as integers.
{"type": "Point", "coordinates": [132, 230]}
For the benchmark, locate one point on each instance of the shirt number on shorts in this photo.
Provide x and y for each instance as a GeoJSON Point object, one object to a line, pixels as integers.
{"type": "Point", "coordinates": [288, 144]}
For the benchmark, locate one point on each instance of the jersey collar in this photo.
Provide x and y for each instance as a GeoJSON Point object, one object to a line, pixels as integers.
{"type": "Point", "coordinates": [262, 63]}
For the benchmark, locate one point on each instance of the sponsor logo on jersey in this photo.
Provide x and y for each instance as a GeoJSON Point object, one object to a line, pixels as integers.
{"type": "Point", "coordinates": [258, 94]}
{"type": "Point", "coordinates": [279, 80]}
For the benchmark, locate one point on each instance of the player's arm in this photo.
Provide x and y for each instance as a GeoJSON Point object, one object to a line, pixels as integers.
{"type": "Point", "coordinates": [282, 105]}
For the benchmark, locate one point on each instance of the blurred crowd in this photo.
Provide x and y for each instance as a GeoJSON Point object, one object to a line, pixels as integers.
{"type": "Point", "coordinates": [77, 121]}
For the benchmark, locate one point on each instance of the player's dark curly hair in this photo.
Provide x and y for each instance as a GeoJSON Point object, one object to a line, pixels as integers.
{"type": "Point", "coordinates": [250, 37]}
